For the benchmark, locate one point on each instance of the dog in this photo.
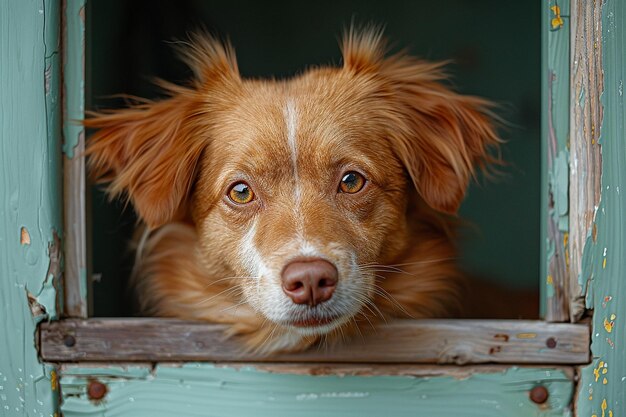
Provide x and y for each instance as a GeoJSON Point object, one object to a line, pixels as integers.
{"type": "Point", "coordinates": [301, 210]}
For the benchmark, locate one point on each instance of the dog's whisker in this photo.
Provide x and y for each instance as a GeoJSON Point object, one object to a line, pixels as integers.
{"type": "Point", "coordinates": [357, 328]}
{"type": "Point", "coordinates": [227, 292]}
{"type": "Point", "coordinates": [365, 316]}
{"type": "Point", "coordinates": [235, 306]}
{"type": "Point", "coordinates": [269, 336]}
{"type": "Point", "coordinates": [230, 279]}
{"type": "Point", "coordinates": [366, 302]}
{"type": "Point", "coordinates": [386, 295]}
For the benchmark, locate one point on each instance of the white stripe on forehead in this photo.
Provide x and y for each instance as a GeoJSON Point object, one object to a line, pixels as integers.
{"type": "Point", "coordinates": [291, 120]}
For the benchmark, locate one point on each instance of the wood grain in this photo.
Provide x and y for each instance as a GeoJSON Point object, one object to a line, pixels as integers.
{"type": "Point", "coordinates": [405, 341]}
{"type": "Point", "coordinates": [75, 273]}
{"type": "Point", "coordinates": [75, 281]}
{"type": "Point", "coordinates": [585, 150]}
{"type": "Point", "coordinates": [602, 385]}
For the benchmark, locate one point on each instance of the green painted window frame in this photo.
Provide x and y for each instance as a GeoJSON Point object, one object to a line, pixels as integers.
{"type": "Point", "coordinates": [555, 300]}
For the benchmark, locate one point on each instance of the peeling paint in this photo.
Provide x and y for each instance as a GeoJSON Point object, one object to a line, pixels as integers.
{"type": "Point", "coordinates": [555, 131]}
{"type": "Point", "coordinates": [559, 184]}
{"type": "Point", "coordinates": [603, 260]}
{"type": "Point", "coordinates": [24, 236]}
{"type": "Point", "coordinates": [30, 193]}
{"type": "Point", "coordinates": [74, 77]}
{"type": "Point", "coordinates": [206, 390]}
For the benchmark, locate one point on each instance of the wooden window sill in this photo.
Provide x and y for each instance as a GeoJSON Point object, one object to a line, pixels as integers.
{"type": "Point", "coordinates": [434, 341]}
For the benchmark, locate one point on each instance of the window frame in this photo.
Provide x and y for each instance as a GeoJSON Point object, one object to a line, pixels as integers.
{"type": "Point", "coordinates": [76, 337]}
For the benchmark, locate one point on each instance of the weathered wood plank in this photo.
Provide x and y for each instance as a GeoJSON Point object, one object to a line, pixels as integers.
{"type": "Point", "coordinates": [207, 390]}
{"type": "Point", "coordinates": [96, 369]}
{"type": "Point", "coordinates": [585, 150]}
{"type": "Point", "coordinates": [603, 382]}
{"type": "Point", "coordinates": [404, 341]}
{"type": "Point", "coordinates": [75, 280]}
{"type": "Point", "coordinates": [555, 134]}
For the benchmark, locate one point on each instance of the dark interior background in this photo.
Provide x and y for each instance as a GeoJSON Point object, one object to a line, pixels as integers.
{"type": "Point", "coordinates": [495, 50]}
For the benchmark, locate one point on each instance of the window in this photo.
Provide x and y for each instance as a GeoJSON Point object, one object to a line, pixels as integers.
{"type": "Point", "coordinates": [496, 62]}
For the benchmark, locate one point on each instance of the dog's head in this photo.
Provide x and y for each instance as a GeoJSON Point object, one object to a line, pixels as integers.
{"type": "Point", "coordinates": [300, 189]}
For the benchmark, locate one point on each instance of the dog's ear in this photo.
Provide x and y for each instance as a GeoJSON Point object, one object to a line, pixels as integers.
{"type": "Point", "coordinates": [441, 137]}
{"type": "Point", "coordinates": [149, 152]}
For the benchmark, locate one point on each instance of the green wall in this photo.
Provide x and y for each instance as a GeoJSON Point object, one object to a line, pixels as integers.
{"type": "Point", "coordinates": [495, 47]}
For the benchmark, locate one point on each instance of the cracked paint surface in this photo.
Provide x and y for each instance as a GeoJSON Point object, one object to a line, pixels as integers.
{"type": "Point", "coordinates": [555, 131]}
{"type": "Point", "coordinates": [207, 390]}
{"type": "Point", "coordinates": [29, 200]}
{"type": "Point", "coordinates": [74, 72]}
{"type": "Point", "coordinates": [603, 383]}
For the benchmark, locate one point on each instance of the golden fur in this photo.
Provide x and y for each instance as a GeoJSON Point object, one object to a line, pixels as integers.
{"type": "Point", "coordinates": [417, 142]}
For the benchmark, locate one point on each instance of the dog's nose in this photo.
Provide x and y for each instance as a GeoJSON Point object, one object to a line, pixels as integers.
{"type": "Point", "coordinates": [310, 281]}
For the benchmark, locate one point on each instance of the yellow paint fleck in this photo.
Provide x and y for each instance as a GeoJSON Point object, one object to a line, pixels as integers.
{"type": "Point", "coordinates": [557, 21]}
{"type": "Point", "coordinates": [604, 263]}
{"type": "Point", "coordinates": [596, 371]}
{"type": "Point", "coordinates": [590, 397]}
{"type": "Point", "coordinates": [526, 335]}
{"type": "Point", "coordinates": [565, 238]}
{"type": "Point", "coordinates": [604, 371]}
{"type": "Point", "coordinates": [608, 325]}
{"type": "Point", "coordinates": [24, 236]}
{"type": "Point", "coordinates": [53, 380]}
{"type": "Point", "coordinates": [610, 413]}
{"type": "Point", "coordinates": [603, 407]}
{"type": "Point", "coordinates": [613, 316]}
{"type": "Point", "coordinates": [604, 381]}
{"type": "Point", "coordinates": [550, 280]}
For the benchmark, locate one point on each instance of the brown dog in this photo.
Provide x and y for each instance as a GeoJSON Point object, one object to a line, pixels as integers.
{"type": "Point", "coordinates": [299, 209]}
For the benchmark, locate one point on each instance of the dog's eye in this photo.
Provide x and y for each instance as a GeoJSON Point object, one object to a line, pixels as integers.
{"type": "Point", "coordinates": [241, 193]}
{"type": "Point", "coordinates": [351, 182]}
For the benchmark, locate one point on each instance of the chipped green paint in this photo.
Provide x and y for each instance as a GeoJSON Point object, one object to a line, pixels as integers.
{"type": "Point", "coordinates": [555, 168]}
{"type": "Point", "coordinates": [603, 384]}
{"type": "Point", "coordinates": [206, 390]}
{"type": "Point", "coordinates": [77, 292]}
{"type": "Point", "coordinates": [74, 81]}
{"type": "Point", "coordinates": [30, 193]}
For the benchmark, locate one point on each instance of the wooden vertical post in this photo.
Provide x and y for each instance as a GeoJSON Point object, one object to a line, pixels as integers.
{"type": "Point", "coordinates": [585, 150]}
{"type": "Point", "coordinates": [603, 263]}
{"type": "Point", "coordinates": [555, 170]}
{"type": "Point", "coordinates": [75, 277]}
